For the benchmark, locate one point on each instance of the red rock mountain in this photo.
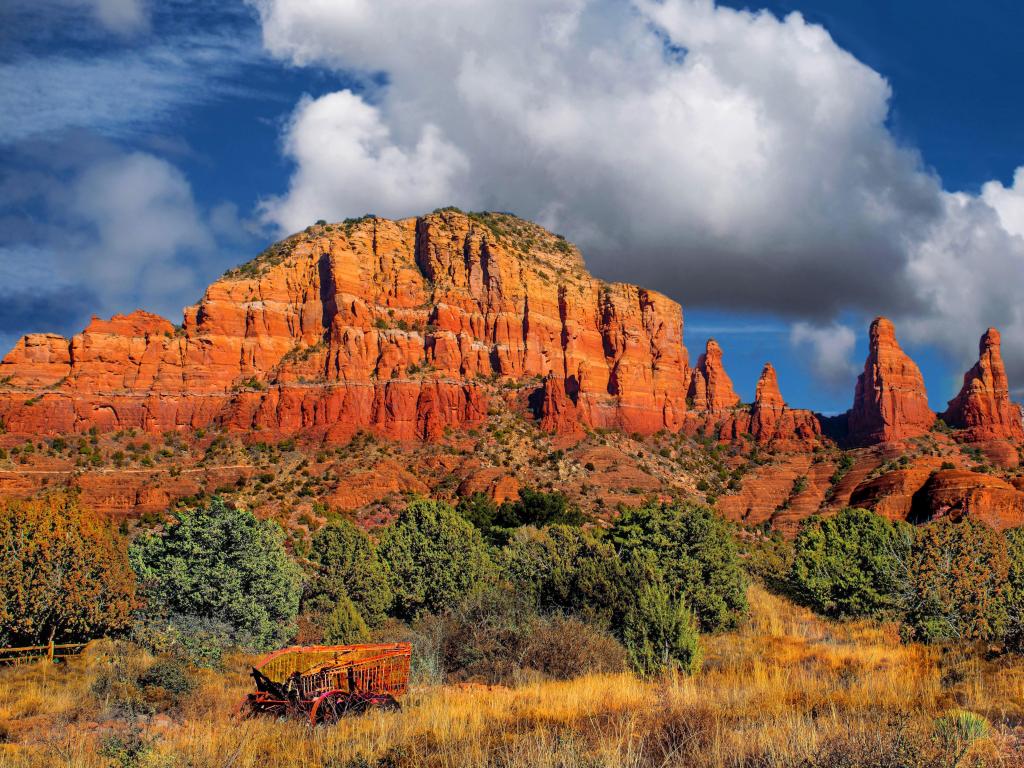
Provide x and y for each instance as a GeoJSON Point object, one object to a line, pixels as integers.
{"type": "Point", "coordinates": [402, 327]}
{"type": "Point", "coordinates": [890, 402]}
{"type": "Point", "coordinates": [983, 406]}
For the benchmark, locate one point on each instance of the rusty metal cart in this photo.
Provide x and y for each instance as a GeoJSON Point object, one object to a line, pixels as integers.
{"type": "Point", "coordinates": [325, 682]}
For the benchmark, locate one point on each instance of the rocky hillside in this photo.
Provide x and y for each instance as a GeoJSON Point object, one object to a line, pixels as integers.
{"type": "Point", "coordinates": [447, 334]}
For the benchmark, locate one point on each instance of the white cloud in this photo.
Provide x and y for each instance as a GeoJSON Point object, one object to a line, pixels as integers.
{"type": "Point", "coordinates": [1007, 203]}
{"type": "Point", "coordinates": [829, 351]}
{"type": "Point", "coordinates": [347, 161]}
{"type": "Point", "coordinates": [141, 216]}
{"type": "Point", "coordinates": [730, 158]}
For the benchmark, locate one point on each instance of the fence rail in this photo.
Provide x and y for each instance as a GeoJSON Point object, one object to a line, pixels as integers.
{"type": "Point", "coordinates": [51, 652]}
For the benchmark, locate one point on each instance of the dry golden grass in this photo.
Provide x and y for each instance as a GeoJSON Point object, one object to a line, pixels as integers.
{"type": "Point", "coordinates": [788, 690]}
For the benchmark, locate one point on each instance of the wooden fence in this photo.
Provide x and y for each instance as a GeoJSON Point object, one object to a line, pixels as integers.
{"type": "Point", "coordinates": [53, 652]}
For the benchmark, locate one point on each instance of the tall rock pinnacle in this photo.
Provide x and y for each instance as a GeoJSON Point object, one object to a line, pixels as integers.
{"type": "Point", "coordinates": [710, 386]}
{"type": "Point", "coordinates": [983, 405]}
{"type": "Point", "coordinates": [890, 402]}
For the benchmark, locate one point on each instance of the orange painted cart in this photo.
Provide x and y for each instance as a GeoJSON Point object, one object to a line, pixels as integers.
{"type": "Point", "coordinates": [325, 682]}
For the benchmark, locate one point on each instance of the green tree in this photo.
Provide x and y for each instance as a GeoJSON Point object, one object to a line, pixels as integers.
{"type": "Point", "coordinates": [694, 552]}
{"type": "Point", "coordinates": [479, 509]}
{"type": "Point", "coordinates": [564, 569]}
{"type": "Point", "coordinates": [65, 573]}
{"type": "Point", "coordinates": [532, 508]}
{"type": "Point", "coordinates": [218, 566]}
{"type": "Point", "coordinates": [1014, 631]}
{"type": "Point", "coordinates": [659, 631]}
{"type": "Point", "coordinates": [343, 625]}
{"type": "Point", "coordinates": [959, 581]}
{"type": "Point", "coordinates": [434, 557]}
{"type": "Point", "coordinates": [853, 564]}
{"type": "Point", "coordinates": [345, 564]}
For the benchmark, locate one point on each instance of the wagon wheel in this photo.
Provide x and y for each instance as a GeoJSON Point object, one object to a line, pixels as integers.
{"type": "Point", "coordinates": [384, 701]}
{"type": "Point", "coordinates": [329, 708]}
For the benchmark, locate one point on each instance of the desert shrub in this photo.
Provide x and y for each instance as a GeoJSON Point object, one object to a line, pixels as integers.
{"type": "Point", "coordinates": [126, 750]}
{"type": "Point", "coordinates": [889, 744]}
{"type": "Point", "coordinates": [853, 564]}
{"type": "Point", "coordinates": [344, 624]}
{"type": "Point", "coordinates": [114, 668]}
{"type": "Point", "coordinates": [659, 630]}
{"type": "Point", "coordinates": [493, 635]}
{"type": "Point", "coordinates": [217, 569]}
{"type": "Point", "coordinates": [534, 508]}
{"type": "Point", "coordinates": [563, 569]}
{"type": "Point", "coordinates": [65, 573]}
{"type": "Point", "coordinates": [346, 565]}
{"type": "Point", "coordinates": [959, 581]}
{"type": "Point", "coordinates": [200, 639]}
{"type": "Point", "coordinates": [695, 553]}
{"type": "Point", "coordinates": [169, 674]}
{"type": "Point", "coordinates": [564, 647]}
{"type": "Point", "coordinates": [433, 557]}
{"type": "Point", "coordinates": [484, 636]}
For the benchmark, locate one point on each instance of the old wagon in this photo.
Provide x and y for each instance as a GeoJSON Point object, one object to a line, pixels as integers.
{"type": "Point", "coordinates": [325, 682]}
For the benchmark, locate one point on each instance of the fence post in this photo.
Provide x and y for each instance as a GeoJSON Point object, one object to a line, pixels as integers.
{"type": "Point", "coordinates": [49, 650]}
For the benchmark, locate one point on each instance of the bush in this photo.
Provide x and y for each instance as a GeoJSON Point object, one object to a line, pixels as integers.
{"type": "Point", "coordinates": [494, 636]}
{"type": "Point", "coordinates": [346, 565]}
{"type": "Point", "coordinates": [694, 552]}
{"type": "Point", "coordinates": [959, 582]}
{"type": "Point", "coordinates": [853, 564]}
{"type": "Point", "coordinates": [343, 625]}
{"type": "Point", "coordinates": [169, 674]}
{"type": "Point", "coordinates": [65, 573]}
{"type": "Point", "coordinates": [484, 636]}
{"type": "Point", "coordinates": [434, 557]}
{"type": "Point", "coordinates": [564, 647]}
{"type": "Point", "coordinates": [660, 632]}
{"type": "Point", "coordinates": [220, 569]}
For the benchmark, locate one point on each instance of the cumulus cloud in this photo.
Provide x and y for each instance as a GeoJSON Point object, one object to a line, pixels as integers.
{"type": "Point", "coordinates": [731, 158]}
{"type": "Point", "coordinates": [1008, 203]}
{"type": "Point", "coordinates": [829, 349]}
{"type": "Point", "coordinates": [347, 161]}
{"type": "Point", "coordinates": [139, 215]}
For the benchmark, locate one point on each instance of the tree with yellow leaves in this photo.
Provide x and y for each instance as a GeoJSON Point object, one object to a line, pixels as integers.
{"type": "Point", "coordinates": [64, 573]}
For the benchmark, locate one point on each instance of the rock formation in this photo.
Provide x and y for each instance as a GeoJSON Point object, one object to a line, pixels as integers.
{"type": "Point", "coordinates": [958, 493]}
{"type": "Point", "coordinates": [983, 406]}
{"type": "Point", "coordinates": [403, 327]}
{"type": "Point", "coordinates": [772, 422]}
{"type": "Point", "coordinates": [890, 402]}
{"type": "Point", "coordinates": [710, 387]}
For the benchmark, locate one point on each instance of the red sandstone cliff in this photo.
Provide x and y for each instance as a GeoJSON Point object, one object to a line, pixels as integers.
{"type": "Point", "coordinates": [890, 402]}
{"type": "Point", "coordinates": [403, 327]}
{"type": "Point", "coordinates": [983, 406]}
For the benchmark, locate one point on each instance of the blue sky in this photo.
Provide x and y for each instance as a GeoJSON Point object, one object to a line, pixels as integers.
{"type": "Point", "coordinates": [785, 178]}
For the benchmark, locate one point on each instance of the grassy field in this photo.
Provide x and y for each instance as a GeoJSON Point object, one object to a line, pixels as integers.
{"type": "Point", "coordinates": [789, 689]}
